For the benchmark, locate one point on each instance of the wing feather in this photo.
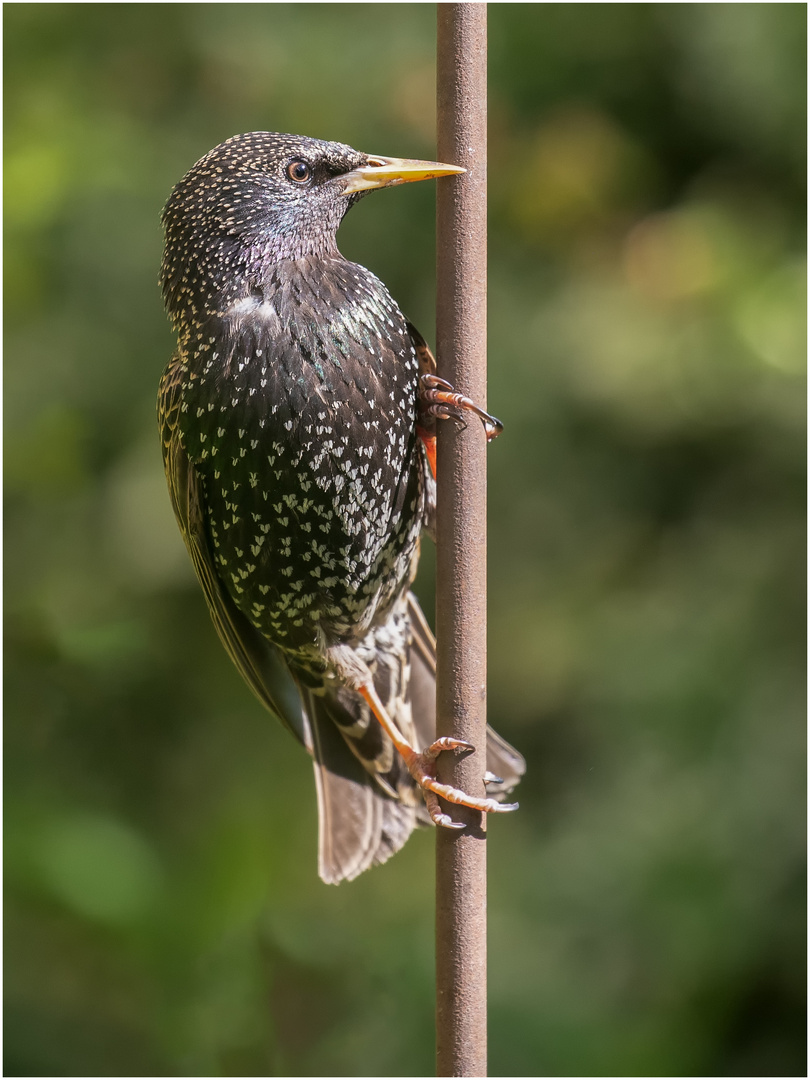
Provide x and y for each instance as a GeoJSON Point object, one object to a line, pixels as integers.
{"type": "Point", "coordinates": [257, 660]}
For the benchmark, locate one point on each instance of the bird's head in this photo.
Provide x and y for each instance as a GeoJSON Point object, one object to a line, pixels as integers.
{"type": "Point", "coordinates": [269, 196]}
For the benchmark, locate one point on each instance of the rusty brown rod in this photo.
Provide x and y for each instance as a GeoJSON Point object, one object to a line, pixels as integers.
{"type": "Point", "coordinates": [461, 616]}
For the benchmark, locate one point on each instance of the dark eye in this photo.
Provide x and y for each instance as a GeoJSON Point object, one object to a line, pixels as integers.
{"type": "Point", "coordinates": [299, 171]}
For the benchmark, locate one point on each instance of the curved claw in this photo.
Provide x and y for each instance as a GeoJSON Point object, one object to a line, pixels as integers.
{"type": "Point", "coordinates": [445, 743]}
{"type": "Point", "coordinates": [437, 815]}
{"type": "Point", "coordinates": [491, 778]}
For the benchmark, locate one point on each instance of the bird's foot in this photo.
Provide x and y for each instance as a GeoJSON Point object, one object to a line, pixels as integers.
{"type": "Point", "coordinates": [422, 768]}
{"type": "Point", "coordinates": [437, 398]}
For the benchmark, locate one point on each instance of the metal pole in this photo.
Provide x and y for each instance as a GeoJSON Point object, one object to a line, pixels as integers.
{"type": "Point", "coordinates": [461, 629]}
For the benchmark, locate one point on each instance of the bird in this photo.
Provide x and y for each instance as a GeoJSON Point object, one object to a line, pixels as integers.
{"type": "Point", "coordinates": [297, 418]}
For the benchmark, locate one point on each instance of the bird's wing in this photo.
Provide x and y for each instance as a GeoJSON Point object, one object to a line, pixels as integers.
{"type": "Point", "coordinates": [257, 660]}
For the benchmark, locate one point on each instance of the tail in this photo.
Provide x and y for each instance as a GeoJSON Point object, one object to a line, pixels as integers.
{"type": "Point", "coordinates": [361, 824]}
{"type": "Point", "coordinates": [368, 803]}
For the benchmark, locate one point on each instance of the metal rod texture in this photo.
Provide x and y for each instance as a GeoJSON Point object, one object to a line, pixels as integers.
{"type": "Point", "coordinates": [461, 626]}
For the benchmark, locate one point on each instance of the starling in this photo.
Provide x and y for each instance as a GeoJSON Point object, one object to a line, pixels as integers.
{"type": "Point", "coordinates": [298, 426]}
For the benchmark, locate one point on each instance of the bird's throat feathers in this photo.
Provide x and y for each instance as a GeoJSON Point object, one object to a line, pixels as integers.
{"type": "Point", "coordinates": [229, 269]}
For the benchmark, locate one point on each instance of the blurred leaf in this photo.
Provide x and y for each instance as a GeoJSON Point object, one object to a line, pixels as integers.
{"type": "Point", "coordinates": [47, 457]}
{"type": "Point", "coordinates": [100, 868]}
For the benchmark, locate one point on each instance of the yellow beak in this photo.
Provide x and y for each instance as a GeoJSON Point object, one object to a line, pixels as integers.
{"type": "Point", "coordinates": [387, 171]}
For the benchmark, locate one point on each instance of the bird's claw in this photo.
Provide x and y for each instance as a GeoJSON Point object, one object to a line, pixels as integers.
{"type": "Point", "coordinates": [422, 768]}
{"type": "Point", "coordinates": [437, 815]}
{"type": "Point", "coordinates": [438, 398]}
{"type": "Point", "coordinates": [445, 743]}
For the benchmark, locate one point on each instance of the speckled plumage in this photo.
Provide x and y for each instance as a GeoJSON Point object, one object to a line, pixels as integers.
{"type": "Point", "coordinates": [289, 416]}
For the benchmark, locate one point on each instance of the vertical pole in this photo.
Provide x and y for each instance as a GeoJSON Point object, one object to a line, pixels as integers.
{"type": "Point", "coordinates": [461, 629]}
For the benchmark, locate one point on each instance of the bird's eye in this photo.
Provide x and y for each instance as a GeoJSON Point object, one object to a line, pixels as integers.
{"type": "Point", "coordinates": [299, 171]}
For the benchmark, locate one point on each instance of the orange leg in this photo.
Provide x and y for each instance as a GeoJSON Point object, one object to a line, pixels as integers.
{"type": "Point", "coordinates": [422, 767]}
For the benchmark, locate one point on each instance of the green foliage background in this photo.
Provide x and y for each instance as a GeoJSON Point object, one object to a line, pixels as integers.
{"type": "Point", "coordinates": [647, 345]}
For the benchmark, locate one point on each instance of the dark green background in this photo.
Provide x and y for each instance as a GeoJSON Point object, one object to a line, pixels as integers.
{"type": "Point", "coordinates": [647, 346]}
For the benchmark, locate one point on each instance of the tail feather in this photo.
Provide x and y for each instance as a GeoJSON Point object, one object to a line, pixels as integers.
{"type": "Point", "coordinates": [360, 825]}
